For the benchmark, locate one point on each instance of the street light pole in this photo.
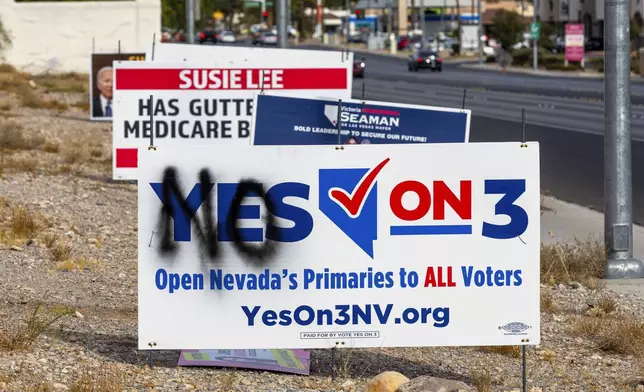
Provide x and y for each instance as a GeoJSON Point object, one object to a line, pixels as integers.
{"type": "Point", "coordinates": [535, 52]}
{"type": "Point", "coordinates": [618, 191]}
{"type": "Point", "coordinates": [480, 31]}
{"type": "Point", "coordinates": [422, 23]}
{"type": "Point", "coordinates": [190, 21]}
{"type": "Point", "coordinates": [282, 9]}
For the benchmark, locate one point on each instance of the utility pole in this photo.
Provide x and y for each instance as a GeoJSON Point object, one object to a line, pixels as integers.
{"type": "Point", "coordinates": [190, 21]}
{"type": "Point", "coordinates": [348, 22]}
{"type": "Point", "coordinates": [282, 9]}
{"type": "Point", "coordinates": [480, 31]}
{"type": "Point", "coordinates": [443, 18]}
{"type": "Point", "coordinates": [318, 26]}
{"type": "Point", "coordinates": [618, 190]}
{"type": "Point", "coordinates": [535, 52]}
{"type": "Point", "coordinates": [422, 23]}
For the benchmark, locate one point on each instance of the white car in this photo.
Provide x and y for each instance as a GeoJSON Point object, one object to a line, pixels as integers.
{"type": "Point", "coordinates": [227, 36]}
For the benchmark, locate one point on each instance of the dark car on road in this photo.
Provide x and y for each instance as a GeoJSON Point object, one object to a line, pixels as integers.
{"type": "Point", "coordinates": [358, 68]}
{"type": "Point", "coordinates": [423, 58]}
{"type": "Point", "coordinates": [208, 35]}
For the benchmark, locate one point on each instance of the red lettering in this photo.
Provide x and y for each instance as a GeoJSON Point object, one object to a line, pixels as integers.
{"type": "Point", "coordinates": [462, 206]}
{"type": "Point", "coordinates": [430, 279]}
{"type": "Point", "coordinates": [438, 279]}
{"type": "Point", "coordinates": [424, 200]}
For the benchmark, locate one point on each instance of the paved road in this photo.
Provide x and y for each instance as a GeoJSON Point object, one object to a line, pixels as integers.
{"type": "Point", "coordinates": [569, 130]}
{"type": "Point", "coordinates": [389, 67]}
{"type": "Point", "coordinates": [565, 115]}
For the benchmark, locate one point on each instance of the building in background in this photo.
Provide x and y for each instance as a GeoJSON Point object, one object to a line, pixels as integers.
{"type": "Point", "coordinates": [588, 12]}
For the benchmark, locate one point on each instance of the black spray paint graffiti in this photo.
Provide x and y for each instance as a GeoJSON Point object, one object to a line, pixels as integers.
{"type": "Point", "coordinates": [206, 227]}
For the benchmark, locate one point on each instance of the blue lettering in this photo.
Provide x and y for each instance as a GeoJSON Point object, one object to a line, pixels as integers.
{"type": "Point", "coordinates": [512, 190]}
{"type": "Point", "coordinates": [225, 196]}
{"type": "Point", "coordinates": [250, 315]}
{"type": "Point", "coordinates": [161, 279]}
{"type": "Point", "coordinates": [442, 320]}
{"type": "Point", "coordinates": [517, 277]}
{"type": "Point", "coordinates": [269, 318]}
{"type": "Point", "coordinates": [303, 221]}
{"type": "Point", "coordinates": [285, 318]}
{"type": "Point", "coordinates": [301, 309]}
{"type": "Point", "coordinates": [181, 220]}
{"type": "Point", "coordinates": [365, 315]}
{"type": "Point", "coordinates": [467, 275]}
{"type": "Point", "coordinates": [343, 316]}
{"type": "Point", "coordinates": [309, 277]}
{"type": "Point", "coordinates": [382, 317]}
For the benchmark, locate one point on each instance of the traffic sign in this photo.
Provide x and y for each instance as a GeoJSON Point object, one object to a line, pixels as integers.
{"type": "Point", "coordinates": [217, 15]}
{"type": "Point", "coordinates": [535, 29]}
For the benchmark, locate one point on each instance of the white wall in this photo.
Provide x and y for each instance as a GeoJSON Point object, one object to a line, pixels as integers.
{"type": "Point", "coordinates": [57, 36]}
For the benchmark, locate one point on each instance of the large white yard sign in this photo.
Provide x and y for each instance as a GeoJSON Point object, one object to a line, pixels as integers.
{"type": "Point", "coordinates": [179, 104]}
{"type": "Point", "coordinates": [381, 245]}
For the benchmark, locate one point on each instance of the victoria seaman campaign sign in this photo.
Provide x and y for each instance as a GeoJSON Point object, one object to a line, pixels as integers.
{"type": "Point", "coordinates": [386, 246]}
{"type": "Point", "coordinates": [179, 104]}
{"type": "Point", "coordinates": [286, 120]}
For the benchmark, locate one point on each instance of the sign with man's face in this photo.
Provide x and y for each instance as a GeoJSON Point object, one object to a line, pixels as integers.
{"type": "Point", "coordinates": [100, 80]}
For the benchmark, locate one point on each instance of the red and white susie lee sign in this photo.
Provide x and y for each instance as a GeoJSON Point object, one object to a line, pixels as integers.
{"type": "Point", "coordinates": [168, 104]}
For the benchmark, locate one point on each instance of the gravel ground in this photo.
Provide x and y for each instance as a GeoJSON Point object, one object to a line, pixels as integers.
{"type": "Point", "coordinates": [98, 341]}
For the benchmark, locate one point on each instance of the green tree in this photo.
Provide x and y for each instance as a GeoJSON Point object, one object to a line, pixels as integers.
{"type": "Point", "coordinates": [508, 28]}
{"type": "Point", "coordinates": [547, 29]}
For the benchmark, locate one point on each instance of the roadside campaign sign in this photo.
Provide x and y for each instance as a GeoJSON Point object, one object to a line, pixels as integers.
{"type": "Point", "coordinates": [282, 120]}
{"type": "Point", "coordinates": [574, 41]}
{"type": "Point", "coordinates": [279, 360]}
{"type": "Point", "coordinates": [100, 82]}
{"type": "Point", "coordinates": [391, 245]}
{"type": "Point", "coordinates": [219, 55]}
{"type": "Point", "coordinates": [178, 104]}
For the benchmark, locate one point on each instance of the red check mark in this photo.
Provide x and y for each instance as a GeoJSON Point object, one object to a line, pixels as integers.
{"type": "Point", "coordinates": [352, 204]}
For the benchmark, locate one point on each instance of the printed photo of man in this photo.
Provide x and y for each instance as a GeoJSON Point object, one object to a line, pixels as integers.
{"type": "Point", "coordinates": [101, 83]}
{"type": "Point", "coordinates": [102, 105]}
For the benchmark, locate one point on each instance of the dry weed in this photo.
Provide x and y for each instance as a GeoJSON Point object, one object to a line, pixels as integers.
{"type": "Point", "coordinates": [482, 380]}
{"type": "Point", "coordinates": [228, 382]}
{"type": "Point", "coordinates": [50, 240]}
{"type": "Point", "coordinates": [548, 356]}
{"type": "Point", "coordinates": [71, 82]}
{"type": "Point", "coordinates": [580, 261]}
{"type": "Point", "coordinates": [82, 105]}
{"type": "Point", "coordinates": [60, 252]}
{"type": "Point", "coordinates": [548, 304]}
{"type": "Point", "coordinates": [21, 337]}
{"type": "Point", "coordinates": [607, 303]}
{"type": "Point", "coordinates": [508, 351]}
{"type": "Point", "coordinates": [617, 334]}
{"type": "Point", "coordinates": [24, 224]}
{"type": "Point", "coordinates": [23, 164]}
{"type": "Point", "coordinates": [106, 380]}
{"type": "Point", "coordinates": [75, 152]}
{"type": "Point", "coordinates": [51, 147]}
{"type": "Point", "coordinates": [75, 264]}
